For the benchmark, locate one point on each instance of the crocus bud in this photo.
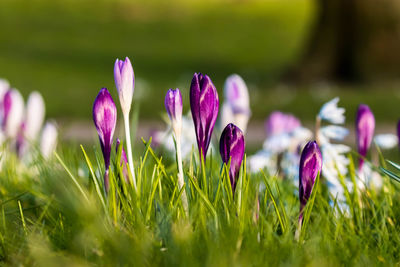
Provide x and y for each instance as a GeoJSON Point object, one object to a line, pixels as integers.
{"type": "Point", "coordinates": [48, 139]}
{"type": "Point", "coordinates": [236, 108]}
{"type": "Point", "coordinates": [105, 119]}
{"type": "Point", "coordinates": [125, 83]}
{"type": "Point", "coordinates": [365, 126]}
{"type": "Point", "coordinates": [12, 112]}
{"type": "Point", "coordinates": [35, 111]}
{"type": "Point", "coordinates": [237, 94]}
{"type": "Point", "coordinates": [173, 105]}
{"type": "Point", "coordinates": [231, 147]}
{"type": "Point", "coordinates": [310, 167]}
{"type": "Point", "coordinates": [204, 105]}
{"type": "Point", "coordinates": [124, 160]}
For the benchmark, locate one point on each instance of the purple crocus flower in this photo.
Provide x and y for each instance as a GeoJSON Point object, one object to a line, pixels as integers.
{"type": "Point", "coordinates": [124, 160]}
{"type": "Point", "coordinates": [204, 105]}
{"type": "Point", "coordinates": [365, 126]}
{"type": "Point", "coordinates": [173, 105]}
{"type": "Point", "coordinates": [310, 167]}
{"type": "Point", "coordinates": [105, 119]}
{"type": "Point", "coordinates": [231, 147]}
{"type": "Point", "coordinates": [125, 83]}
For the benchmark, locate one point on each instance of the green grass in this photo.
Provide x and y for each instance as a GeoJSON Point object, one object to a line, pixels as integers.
{"type": "Point", "coordinates": [56, 213]}
{"type": "Point", "coordinates": [67, 49]}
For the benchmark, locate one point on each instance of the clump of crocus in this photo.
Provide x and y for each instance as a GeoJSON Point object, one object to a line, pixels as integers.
{"type": "Point", "coordinates": [204, 105]}
{"type": "Point", "coordinates": [173, 105]}
{"type": "Point", "coordinates": [231, 147]}
{"type": "Point", "coordinates": [125, 83]}
{"type": "Point", "coordinates": [105, 119]}
{"type": "Point", "coordinates": [365, 126]}
{"type": "Point", "coordinates": [236, 107]}
{"type": "Point", "coordinates": [310, 167]}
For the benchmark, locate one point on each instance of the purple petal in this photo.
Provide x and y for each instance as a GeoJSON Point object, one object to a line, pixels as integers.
{"type": "Point", "coordinates": [173, 103]}
{"type": "Point", "coordinates": [204, 106]}
{"type": "Point", "coordinates": [231, 147]}
{"type": "Point", "coordinates": [105, 119]}
{"type": "Point", "coordinates": [310, 166]}
{"type": "Point", "coordinates": [365, 126]}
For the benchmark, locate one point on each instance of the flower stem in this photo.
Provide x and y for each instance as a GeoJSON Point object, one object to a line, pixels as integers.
{"type": "Point", "coordinates": [317, 129]}
{"type": "Point", "coordinates": [129, 148]}
{"type": "Point", "coordinates": [181, 181]}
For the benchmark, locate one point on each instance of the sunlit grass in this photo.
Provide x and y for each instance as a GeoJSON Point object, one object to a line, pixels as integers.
{"type": "Point", "coordinates": [56, 213]}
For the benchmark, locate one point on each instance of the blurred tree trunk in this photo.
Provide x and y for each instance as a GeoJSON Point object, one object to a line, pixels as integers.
{"type": "Point", "coordinates": [352, 40]}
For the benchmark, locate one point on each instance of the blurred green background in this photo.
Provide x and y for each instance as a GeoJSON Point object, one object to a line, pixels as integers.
{"type": "Point", "coordinates": [67, 49]}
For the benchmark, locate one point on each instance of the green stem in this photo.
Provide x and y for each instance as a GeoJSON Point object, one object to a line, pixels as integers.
{"type": "Point", "coordinates": [181, 181]}
{"type": "Point", "coordinates": [129, 148]}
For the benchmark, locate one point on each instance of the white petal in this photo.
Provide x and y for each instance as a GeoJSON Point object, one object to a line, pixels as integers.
{"type": "Point", "coordinates": [334, 132]}
{"type": "Point", "coordinates": [277, 143]}
{"type": "Point", "coordinates": [48, 140]}
{"type": "Point", "coordinates": [386, 141]}
{"type": "Point", "coordinates": [236, 94]}
{"type": "Point", "coordinates": [35, 111]}
{"type": "Point", "coordinates": [226, 116]}
{"type": "Point", "coordinates": [16, 114]}
{"type": "Point", "coordinates": [331, 112]}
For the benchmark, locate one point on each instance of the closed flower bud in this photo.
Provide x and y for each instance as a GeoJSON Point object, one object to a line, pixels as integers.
{"type": "Point", "coordinates": [204, 105]}
{"type": "Point", "coordinates": [35, 112]}
{"type": "Point", "coordinates": [365, 126]}
{"type": "Point", "coordinates": [173, 105]}
{"type": "Point", "coordinates": [310, 167]}
{"type": "Point", "coordinates": [236, 108]}
{"type": "Point", "coordinates": [48, 139]}
{"type": "Point", "coordinates": [105, 119]}
{"type": "Point", "coordinates": [12, 112]}
{"type": "Point", "coordinates": [125, 83]}
{"type": "Point", "coordinates": [231, 147]}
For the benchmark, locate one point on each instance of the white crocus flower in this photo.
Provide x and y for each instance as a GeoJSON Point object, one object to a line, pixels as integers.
{"type": "Point", "coordinates": [386, 141]}
{"type": "Point", "coordinates": [227, 115]}
{"type": "Point", "coordinates": [48, 140]}
{"type": "Point", "coordinates": [236, 108]}
{"type": "Point", "coordinates": [13, 112]}
{"type": "Point", "coordinates": [35, 112]}
{"type": "Point", "coordinates": [330, 112]}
